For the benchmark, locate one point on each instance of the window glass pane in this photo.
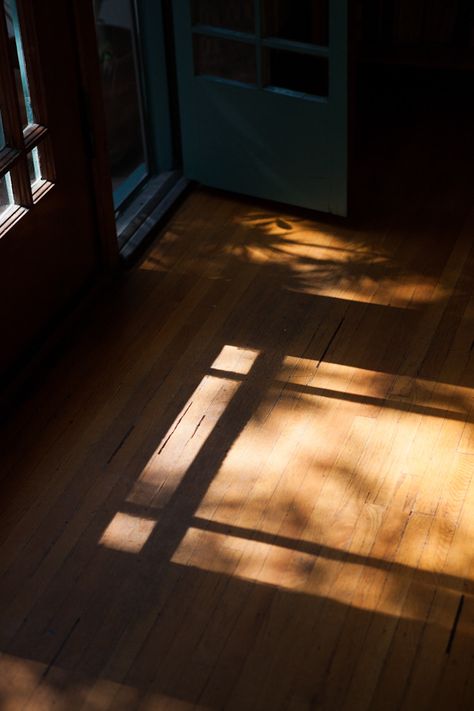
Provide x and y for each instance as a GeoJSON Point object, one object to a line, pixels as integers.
{"type": "Point", "coordinates": [5, 193]}
{"type": "Point", "coordinates": [233, 14]}
{"type": "Point", "coordinates": [303, 73]}
{"type": "Point", "coordinates": [223, 58]}
{"type": "Point", "coordinates": [34, 167]}
{"type": "Point", "coordinates": [120, 68]}
{"type": "Point", "coordinates": [2, 135]}
{"type": "Point", "coordinates": [300, 21]}
{"type": "Point", "coordinates": [19, 63]}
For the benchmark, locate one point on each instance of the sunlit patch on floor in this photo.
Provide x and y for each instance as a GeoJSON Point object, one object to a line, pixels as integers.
{"type": "Point", "coordinates": [183, 441]}
{"type": "Point", "coordinates": [127, 533]}
{"type": "Point", "coordinates": [235, 359]}
{"type": "Point", "coordinates": [315, 570]}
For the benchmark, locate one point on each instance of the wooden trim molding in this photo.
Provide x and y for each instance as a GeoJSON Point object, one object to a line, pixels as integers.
{"type": "Point", "coordinates": [94, 126]}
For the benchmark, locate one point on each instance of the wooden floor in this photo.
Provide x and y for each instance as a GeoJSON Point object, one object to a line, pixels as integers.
{"type": "Point", "coordinates": [248, 482]}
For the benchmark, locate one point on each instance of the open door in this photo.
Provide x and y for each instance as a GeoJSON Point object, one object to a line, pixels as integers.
{"type": "Point", "coordinates": [49, 249]}
{"type": "Point", "coordinates": [263, 98]}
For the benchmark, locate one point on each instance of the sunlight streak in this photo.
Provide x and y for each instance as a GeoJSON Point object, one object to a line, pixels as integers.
{"type": "Point", "coordinates": [127, 533]}
{"type": "Point", "coordinates": [404, 391]}
{"type": "Point", "coordinates": [235, 359]}
{"type": "Point", "coordinates": [354, 582]}
{"type": "Point", "coordinates": [190, 430]}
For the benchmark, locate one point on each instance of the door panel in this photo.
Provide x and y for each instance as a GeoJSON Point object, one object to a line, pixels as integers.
{"type": "Point", "coordinates": [48, 245]}
{"type": "Point", "coordinates": [263, 98]}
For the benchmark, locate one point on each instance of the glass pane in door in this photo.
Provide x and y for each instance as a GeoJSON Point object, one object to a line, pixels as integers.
{"type": "Point", "coordinates": [302, 21]}
{"type": "Point", "coordinates": [5, 194]}
{"type": "Point", "coordinates": [19, 63]}
{"type": "Point", "coordinates": [117, 36]}
{"type": "Point", "coordinates": [217, 57]}
{"type": "Point", "coordinates": [34, 169]}
{"type": "Point", "coordinates": [2, 135]}
{"type": "Point", "coordinates": [302, 73]}
{"type": "Point", "coordinates": [233, 14]}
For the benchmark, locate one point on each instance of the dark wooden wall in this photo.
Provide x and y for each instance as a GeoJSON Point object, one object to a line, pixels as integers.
{"type": "Point", "coordinates": [417, 22]}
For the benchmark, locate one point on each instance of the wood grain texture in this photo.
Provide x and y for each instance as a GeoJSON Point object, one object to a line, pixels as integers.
{"type": "Point", "coordinates": [247, 483]}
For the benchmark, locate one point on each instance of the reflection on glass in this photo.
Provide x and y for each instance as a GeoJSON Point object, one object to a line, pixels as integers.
{"type": "Point", "coordinates": [303, 73]}
{"type": "Point", "coordinates": [6, 198]}
{"type": "Point", "coordinates": [2, 135]}
{"type": "Point", "coordinates": [223, 58]}
{"type": "Point", "coordinates": [233, 14]}
{"type": "Point", "coordinates": [34, 167]}
{"type": "Point", "coordinates": [19, 63]}
{"type": "Point", "coordinates": [301, 21]}
{"type": "Point", "coordinates": [118, 54]}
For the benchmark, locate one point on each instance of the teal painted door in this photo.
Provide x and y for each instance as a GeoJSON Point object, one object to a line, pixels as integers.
{"type": "Point", "coordinates": [263, 97]}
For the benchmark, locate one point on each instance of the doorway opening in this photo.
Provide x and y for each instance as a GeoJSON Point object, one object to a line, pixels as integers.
{"type": "Point", "coordinates": [240, 70]}
{"type": "Point", "coordinates": [134, 44]}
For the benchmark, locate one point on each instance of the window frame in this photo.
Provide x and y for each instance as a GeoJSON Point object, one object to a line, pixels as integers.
{"type": "Point", "coordinates": [19, 141]}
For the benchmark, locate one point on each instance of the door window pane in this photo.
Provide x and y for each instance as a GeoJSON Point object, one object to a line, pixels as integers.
{"type": "Point", "coordinates": [34, 168]}
{"type": "Point", "coordinates": [39, 163]}
{"type": "Point", "coordinates": [120, 68]}
{"type": "Point", "coordinates": [233, 14]}
{"type": "Point", "coordinates": [2, 135]}
{"type": "Point", "coordinates": [218, 57]}
{"type": "Point", "coordinates": [19, 63]}
{"type": "Point", "coordinates": [299, 21]}
{"type": "Point", "coordinates": [19, 129]}
{"type": "Point", "coordinates": [5, 193]}
{"type": "Point", "coordinates": [303, 73]}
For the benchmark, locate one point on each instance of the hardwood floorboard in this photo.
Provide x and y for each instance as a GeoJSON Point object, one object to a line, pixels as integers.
{"type": "Point", "coordinates": [247, 482]}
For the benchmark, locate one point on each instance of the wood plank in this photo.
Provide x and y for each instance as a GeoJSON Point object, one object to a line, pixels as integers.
{"type": "Point", "coordinates": [252, 485]}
